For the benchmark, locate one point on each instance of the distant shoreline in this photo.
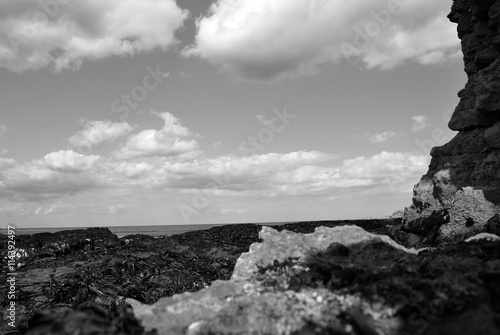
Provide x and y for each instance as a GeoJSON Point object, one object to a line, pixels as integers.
{"type": "Point", "coordinates": [168, 230]}
{"type": "Point", "coordinates": [153, 230]}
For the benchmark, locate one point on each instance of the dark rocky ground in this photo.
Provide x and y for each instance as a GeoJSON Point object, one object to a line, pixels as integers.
{"type": "Point", "coordinates": [76, 282]}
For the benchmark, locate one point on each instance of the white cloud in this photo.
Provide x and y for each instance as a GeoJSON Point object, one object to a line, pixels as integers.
{"type": "Point", "coordinates": [97, 132]}
{"type": "Point", "coordinates": [305, 173]}
{"type": "Point", "coordinates": [419, 122]}
{"type": "Point", "coordinates": [257, 175]}
{"type": "Point", "coordinates": [134, 170]}
{"type": "Point", "coordinates": [63, 34]}
{"type": "Point", "coordinates": [119, 209]}
{"type": "Point", "coordinates": [69, 161]}
{"type": "Point", "coordinates": [294, 174]}
{"type": "Point", "coordinates": [55, 209]}
{"type": "Point", "coordinates": [3, 129]}
{"type": "Point", "coordinates": [172, 140]}
{"type": "Point", "coordinates": [6, 163]}
{"type": "Point", "coordinates": [386, 167]}
{"type": "Point", "coordinates": [33, 181]}
{"type": "Point", "coordinates": [273, 39]}
{"type": "Point", "coordinates": [381, 137]}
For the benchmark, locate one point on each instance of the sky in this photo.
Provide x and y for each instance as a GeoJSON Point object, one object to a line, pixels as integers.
{"type": "Point", "coordinates": [157, 112]}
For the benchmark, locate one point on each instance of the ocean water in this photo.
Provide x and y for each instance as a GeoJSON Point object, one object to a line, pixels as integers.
{"type": "Point", "coordinates": [121, 231]}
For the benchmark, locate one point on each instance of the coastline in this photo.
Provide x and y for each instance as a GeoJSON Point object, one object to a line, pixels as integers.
{"type": "Point", "coordinates": [160, 230]}
{"type": "Point", "coordinates": [75, 268]}
{"type": "Point", "coordinates": [96, 280]}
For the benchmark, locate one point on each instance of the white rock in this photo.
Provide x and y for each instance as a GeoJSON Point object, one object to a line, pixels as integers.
{"type": "Point", "coordinates": [483, 236]}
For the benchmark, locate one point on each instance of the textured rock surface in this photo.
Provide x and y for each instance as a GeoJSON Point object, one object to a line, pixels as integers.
{"type": "Point", "coordinates": [365, 285]}
{"type": "Point", "coordinates": [461, 190]}
{"type": "Point", "coordinates": [282, 245]}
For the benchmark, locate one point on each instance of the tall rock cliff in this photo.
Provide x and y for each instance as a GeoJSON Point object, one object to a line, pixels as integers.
{"type": "Point", "coordinates": [460, 194]}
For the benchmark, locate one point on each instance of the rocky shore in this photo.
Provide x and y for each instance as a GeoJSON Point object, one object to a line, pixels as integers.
{"type": "Point", "coordinates": [336, 277]}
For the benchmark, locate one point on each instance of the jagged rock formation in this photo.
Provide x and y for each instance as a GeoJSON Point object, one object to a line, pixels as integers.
{"type": "Point", "coordinates": [305, 284]}
{"type": "Point", "coordinates": [286, 244]}
{"type": "Point", "coordinates": [461, 191]}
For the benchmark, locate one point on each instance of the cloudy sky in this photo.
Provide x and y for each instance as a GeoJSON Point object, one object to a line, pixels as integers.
{"type": "Point", "coordinates": [145, 112]}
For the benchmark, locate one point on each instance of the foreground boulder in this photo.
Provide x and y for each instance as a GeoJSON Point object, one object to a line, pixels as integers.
{"type": "Point", "coordinates": [341, 280]}
{"type": "Point", "coordinates": [280, 246]}
{"type": "Point", "coordinates": [460, 193]}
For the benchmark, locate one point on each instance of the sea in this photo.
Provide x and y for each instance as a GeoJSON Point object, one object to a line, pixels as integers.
{"type": "Point", "coordinates": [120, 231]}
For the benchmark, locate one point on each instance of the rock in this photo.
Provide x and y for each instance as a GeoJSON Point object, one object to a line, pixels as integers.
{"type": "Point", "coordinates": [376, 288]}
{"type": "Point", "coordinates": [493, 225]}
{"type": "Point", "coordinates": [466, 116]}
{"type": "Point", "coordinates": [337, 249]}
{"type": "Point", "coordinates": [492, 136]}
{"type": "Point", "coordinates": [494, 14]}
{"type": "Point", "coordinates": [483, 236]}
{"type": "Point", "coordinates": [277, 246]}
{"type": "Point", "coordinates": [354, 283]}
{"type": "Point", "coordinates": [428, 226]}
{"type": "Point", "coordinates": [480, 8]}
{"type": "Point", "coordinates": [485, 89]}
{"type": "Point", "coordinates": [486, 57]}
{"type": "Point", "coordinates": [173, 315]}
{"type": "Point", "coordinates": [463, 179]}
{"type": "Point", "coordinates": [86, 321]}
{"type": "Point", "coordinates": [397, 214]}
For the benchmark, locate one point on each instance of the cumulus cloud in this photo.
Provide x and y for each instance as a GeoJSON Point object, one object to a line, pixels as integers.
{"type": "Point", "coordinates": [419, 122]}
{"type": "Point", "coordinates": [381, 137]}
{"type": "Point", "coordinates": [6, 163]}
{"type": "Point", "coordinates": [63, 34]}
{"type": "Point", "coordinates": [69, 161]}
{"type": "Point", "coordinates": [172, 140]}
{"type": "Point", "coordinates": [33, 181]}
{"type": "Point", "coordinates": [97, 132]}
{"type": "Point", "coordinates": [386, 167]}
{"type": "Point", "coordinates": [239, 175]}
{"type": "Point", "coordinates": [273, 39]}
{"type": "Point", "coordinates": [294, 174]}
{"type": "Point", "coordinates": [304, 173]}
{"type": "Point", "coordinates": [133, 170]}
